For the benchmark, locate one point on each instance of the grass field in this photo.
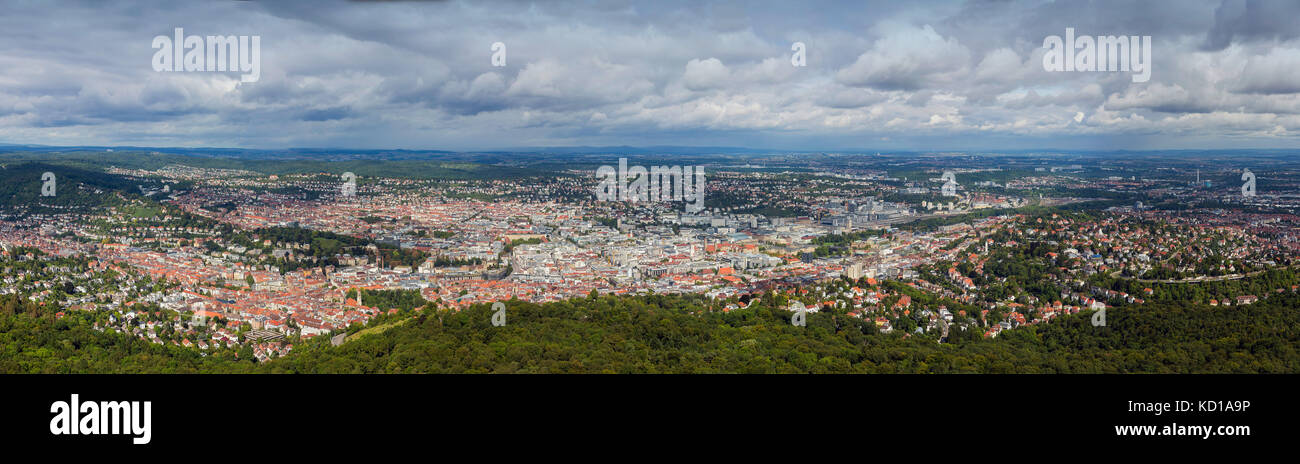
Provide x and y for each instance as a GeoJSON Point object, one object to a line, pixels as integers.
{"type": "Point", "coordinates": [374, 330]}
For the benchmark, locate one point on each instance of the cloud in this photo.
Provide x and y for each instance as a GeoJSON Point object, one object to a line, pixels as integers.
{"type": "Point", "coordinates": [327, 114]}
{"type": "Point", "coordinates": [906, 58]}
{"type": "Point", "coordinates": [1250, 20]}
{"type": "Point", "coordinates": [419, 75]}
{"type": "Point", "coordinates": [1274, 73]}
{"type": "Point", "coordinates": [705, 74]}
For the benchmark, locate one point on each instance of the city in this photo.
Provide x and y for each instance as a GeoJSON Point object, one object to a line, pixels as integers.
{"type": "Point", "coordinates": [246, 265]}
{"type": "Point", "coordinates": [253, 229]}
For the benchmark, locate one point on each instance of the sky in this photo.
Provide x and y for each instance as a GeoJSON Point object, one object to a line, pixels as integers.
{"type": "Point", "coordinates": [924, 75]}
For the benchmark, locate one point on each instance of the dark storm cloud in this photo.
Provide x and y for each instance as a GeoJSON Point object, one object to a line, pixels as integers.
{"type": "Point", "coordinates": [327, 114]}
{"type": "Point", "coordinates": [419, 74]}
{"type": "Point", "coordinates": [1248, 20]}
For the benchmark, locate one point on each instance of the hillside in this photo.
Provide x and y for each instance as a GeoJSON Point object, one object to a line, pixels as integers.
{"type": "Point", "coordinates": [674, 334]}
{"type": "Point", "coordinates": [75, 188]}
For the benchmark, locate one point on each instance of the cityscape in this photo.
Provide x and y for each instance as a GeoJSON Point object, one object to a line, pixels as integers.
{"type": "Point", "coordinates": [303, 227]}
{"type": "Point", "coordinates": [242, 265]}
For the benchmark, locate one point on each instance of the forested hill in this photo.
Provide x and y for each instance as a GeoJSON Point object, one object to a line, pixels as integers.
{"type": "Point", "coordinates": [75, 188]}
{"type": "Point", "coordinates": [679, 334]}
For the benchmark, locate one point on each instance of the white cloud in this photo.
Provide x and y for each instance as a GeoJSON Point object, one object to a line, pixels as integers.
{"type": "Point", "coordinates": [705, 74]}
{"type": "Point", "coordinates": [907, 58]}
{"type": "Point", "coordinates": [1274, 73]}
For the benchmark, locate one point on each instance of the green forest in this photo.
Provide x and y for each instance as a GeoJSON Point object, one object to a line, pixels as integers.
{"type": "Point", "coordinates": [689, 334]}
{"type": "Point", "coordinates": [75, 189]}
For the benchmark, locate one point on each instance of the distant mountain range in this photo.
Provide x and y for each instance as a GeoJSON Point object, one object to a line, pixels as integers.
{"type": "Point", "coordinates": [341, 154]}
{"type": "Point", "coordinates": [349, 153]}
